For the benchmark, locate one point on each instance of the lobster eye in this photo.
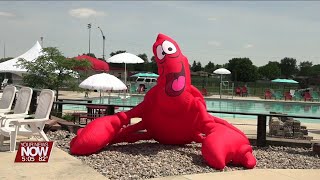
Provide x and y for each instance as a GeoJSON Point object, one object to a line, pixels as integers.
{"type": "Point", "coordinates": [160, 52]}
{"type": "Point", "coordinates": [168, 47]}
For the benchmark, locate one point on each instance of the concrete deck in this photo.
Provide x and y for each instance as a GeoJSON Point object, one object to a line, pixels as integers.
{"type": "Point", "coordinates": [61, 165]}
{"type": "Point", "coordinates": [261, 174]}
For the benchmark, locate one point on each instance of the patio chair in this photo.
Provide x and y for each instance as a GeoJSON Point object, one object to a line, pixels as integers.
{"type": "Point", "coordinates": [7, 99]}
{"type": "Point", "coordinates": [238, 91]}
{"type": "Point", "coordinates": [133, 88]}
{"type": "Point", "coordinates": [244, 91]}
{"type": "Point", "coordinates": [315, 96]}
{"type": "Point", "coordinates": [21, 107]}
{"type": "Point", "coordinates": [29, 127]}
{"type": "Point", "coordinates": [307, 96]}
{"type": "Point", "coordinates": [292, 91]}
{"type": "Point", "coordinates": [204, 92]}
{"type": "Point", "coordinates": [267, 94]}
{"type": "Point", "coordinates": [297, 96]}
{"type": "Point", "coordinates": [278, 95]}
{"type": "Point", "coordinates": [287, 96]}
{"type": "Point", "coordinates": [4, 83]}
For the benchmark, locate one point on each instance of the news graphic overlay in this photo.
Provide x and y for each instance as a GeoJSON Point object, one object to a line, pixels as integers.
{"type": "Point", "coordinates": [34, 151]}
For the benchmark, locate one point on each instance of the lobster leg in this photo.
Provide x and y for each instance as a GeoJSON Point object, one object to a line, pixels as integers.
{"type": "Point", "coordinates": [223, 142]}
{"type": "Point", "coordinates": [100, 132]}
{"type": "Point", "coordinates": [130, 134]}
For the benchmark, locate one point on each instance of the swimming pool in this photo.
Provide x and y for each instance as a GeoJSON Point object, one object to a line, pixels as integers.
{"type": "Point", "coordinates": [232, 105]}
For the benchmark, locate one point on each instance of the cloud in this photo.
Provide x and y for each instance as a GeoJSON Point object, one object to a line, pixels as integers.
{"type": "Point", "coordinates": [85, 13]}
{"type": "Point", "coordinates": [6, 14]}
{"type": "Point", "coordinates": [248, 46]}
{"type": "Point", "coordinates": [212, 18]}
{"type": "Point", "coordinates": [214, 43]}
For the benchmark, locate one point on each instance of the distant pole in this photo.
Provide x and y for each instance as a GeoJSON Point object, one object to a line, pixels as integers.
{"type": "Point", "coordinates": [89, 27]}
{"type": "Point", "coordinates": [103, 43]}
{"type": "Point", "coordinates": [4, 50]}
{"type": "Point", "coordinates": [41, 39]}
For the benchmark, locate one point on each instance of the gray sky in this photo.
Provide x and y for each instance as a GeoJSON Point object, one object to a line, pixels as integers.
{"type": "Point", "coordinates": [206, 30]}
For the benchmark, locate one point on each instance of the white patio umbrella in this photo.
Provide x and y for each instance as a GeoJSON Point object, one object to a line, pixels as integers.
{"type": "Point", "coordinates": [126, 58]}
{"type": "Point", "coordinates": [221, 71]}
{"type": "Point", "coordinates": [103, 82]}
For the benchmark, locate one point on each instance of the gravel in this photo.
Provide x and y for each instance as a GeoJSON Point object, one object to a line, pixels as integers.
{"type": "Point", "coordinates": [149, 159]}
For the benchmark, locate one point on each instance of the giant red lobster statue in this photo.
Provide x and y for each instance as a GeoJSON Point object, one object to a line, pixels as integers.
{"type": "Point", "coordinates": [172, 112]}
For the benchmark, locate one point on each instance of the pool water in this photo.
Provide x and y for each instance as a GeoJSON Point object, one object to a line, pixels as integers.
{"type": "Point", "coordinates": [248, 106]}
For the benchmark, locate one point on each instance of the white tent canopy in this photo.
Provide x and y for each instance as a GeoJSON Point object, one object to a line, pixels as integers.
{"type": "Point", "coordinates": [10, 65]}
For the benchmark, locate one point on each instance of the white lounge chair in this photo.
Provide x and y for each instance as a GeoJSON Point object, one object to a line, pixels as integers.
{"type": "Point", "coordinates": [4, 83]}
{"type": "Point", "coordinates": [7, 99]}
{"type": "Point", "coordinates": [21, 107]}
{"type": "Point", "coordinates": [29, 127]}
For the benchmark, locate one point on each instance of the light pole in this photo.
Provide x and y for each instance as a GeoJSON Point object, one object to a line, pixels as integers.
{"type": "Point", "coordinates": [4, 50]}
{"type": "Point", "coordinates": [89, 27]}
{"type": "Point", "coordinates": [103, 42]}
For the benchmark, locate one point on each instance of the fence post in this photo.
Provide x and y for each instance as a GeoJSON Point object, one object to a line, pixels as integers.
{"type": "Point", "coordinates": [59, 109]}
{"type": "Point", "coordinates": [110, 110]}
{"type": "Point", "coordinates": [262, 131]}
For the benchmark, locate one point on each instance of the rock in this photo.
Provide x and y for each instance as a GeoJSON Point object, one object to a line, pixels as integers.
{"type": "Point", "coordinates": [316, 148]}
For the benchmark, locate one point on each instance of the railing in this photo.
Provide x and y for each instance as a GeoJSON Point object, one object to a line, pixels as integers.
{"type": "Point", "coordinates": [261, 118]}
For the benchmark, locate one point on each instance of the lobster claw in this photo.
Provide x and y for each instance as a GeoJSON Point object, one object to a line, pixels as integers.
{"type": "Point", "coordinates": [97, 134]}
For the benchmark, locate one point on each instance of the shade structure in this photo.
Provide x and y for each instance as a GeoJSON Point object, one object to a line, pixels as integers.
{"type": "Point", "coordinates": [11, 65]}
{"type": "Point", "coordinates": [145, 75]}
{"type": "Point", "coordinates": [126, 58]}
{"type": "Point", "coordinates": [289, 81]}
{"type": "Point", "coordinates": [103, 82]}
{"type": "Point", "coordinates": [96, 64]}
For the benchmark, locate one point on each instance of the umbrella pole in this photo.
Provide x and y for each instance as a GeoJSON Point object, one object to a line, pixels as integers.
{"type": "Point", "coordinates": [220, 84]}
{"type": "Point", "coordinates": [125, 79]}
{"type": "Point", "coordinates": [125, 74]}
{"type": "Point", "coordinates": [100, 96]}
{"type": "Point", "coordinates": [109, 98]}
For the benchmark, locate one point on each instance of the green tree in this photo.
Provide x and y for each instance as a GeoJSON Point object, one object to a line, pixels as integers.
{"type": "Point", "coordinates": [270, 71]}
{"type": "Point", "coordinates": [5, 59]}
{"type": "Point", "coordinates": [242, 69]}
{"type": "Point", "coordinates": [91, 55]}
{"type": "Point", "coordinates": [315, 70]}
{"type": "Point", "coordinates": [144, 57]}
{"type": "Point", "coordinates": [52, 70]}
{"type": "Point", "coordinates": [209, 68]}
{"type": "Point", "coordinates": [153, 59]}
{"type": "Point", "coordinates": [305, 68]}
{"type": "Point", "coordinates": [117, 52]}
{"type": "Point", "coordinates": [153, 65]}
{"type": "Point", "coordinates": [198, 67]}
{"type": "Point", "coordinates": [288, 67]}
{"type": "Point", "coordinates": [194, 66]}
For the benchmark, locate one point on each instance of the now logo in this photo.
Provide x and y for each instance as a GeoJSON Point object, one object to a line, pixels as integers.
{"type": "Point", "coordinates": [34, 151]}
